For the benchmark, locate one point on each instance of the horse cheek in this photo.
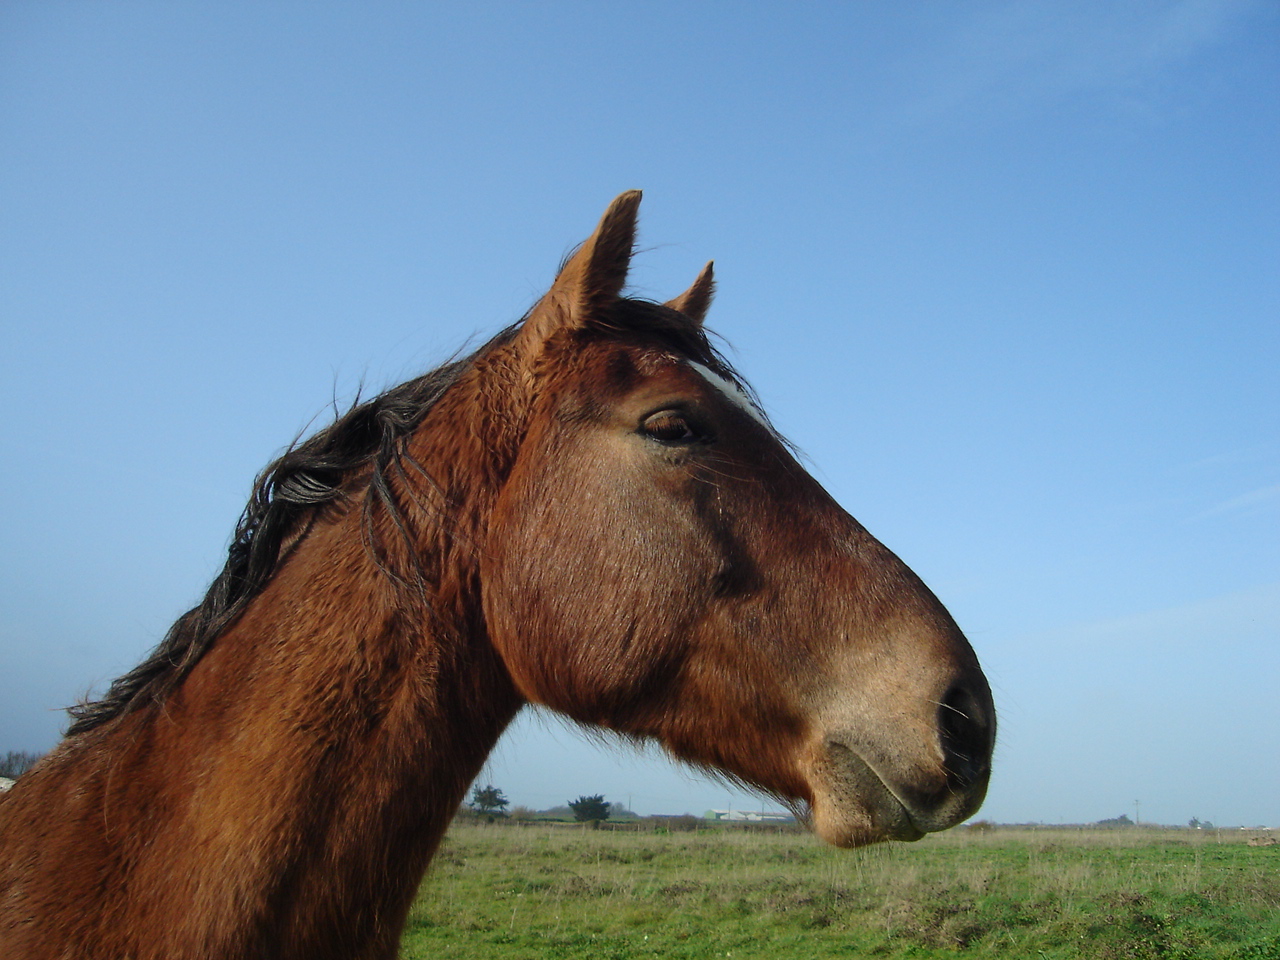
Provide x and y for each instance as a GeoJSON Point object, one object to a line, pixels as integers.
{"type": "Point", "coordinates": [591, 602]}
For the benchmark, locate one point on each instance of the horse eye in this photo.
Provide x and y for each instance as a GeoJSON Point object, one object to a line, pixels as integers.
{"type": "Point", "coordinates": [669, 427]}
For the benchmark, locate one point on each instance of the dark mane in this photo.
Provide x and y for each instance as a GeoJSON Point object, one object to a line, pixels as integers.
{"type": "Point", "coordinates": [306, 476]}
{"type": "Point", "coordinates": [311, 474]}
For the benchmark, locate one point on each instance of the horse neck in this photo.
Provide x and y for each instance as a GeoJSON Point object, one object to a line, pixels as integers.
{"type": "Point", "coordinates": [295, 786]}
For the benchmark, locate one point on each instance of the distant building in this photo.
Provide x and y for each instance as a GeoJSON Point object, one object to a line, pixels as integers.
{"type": "Point", "coordinates": [749, 816]}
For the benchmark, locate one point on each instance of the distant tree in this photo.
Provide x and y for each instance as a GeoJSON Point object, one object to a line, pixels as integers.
{"type": "Point", "coordinates": [488, 800]}
{"type": "Point", "coordinates": [590, 809]}
{"type": "Point", "coordinates": [1120, 821]}
{"type": "Point", "coordinates": [1194, 823]}
{"type": "Point", "coordinates": [17, 762]}
{"type": "Point", "coordinates": [521, 814]}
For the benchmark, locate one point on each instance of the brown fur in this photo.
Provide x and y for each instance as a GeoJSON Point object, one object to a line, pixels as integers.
{"type": "Point", "coordinates": [580, 519]}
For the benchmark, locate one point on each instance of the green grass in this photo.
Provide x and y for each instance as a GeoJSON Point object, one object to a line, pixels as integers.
{"type": "Point", "coordinates": [562, 892]}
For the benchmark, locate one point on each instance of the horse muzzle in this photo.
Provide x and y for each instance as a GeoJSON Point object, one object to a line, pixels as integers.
{"type": "Point", "coordinates": [898, 778]}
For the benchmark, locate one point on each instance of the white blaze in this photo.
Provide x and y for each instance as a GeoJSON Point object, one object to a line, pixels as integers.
{"type": "Point", "coordinates": [733, 393]}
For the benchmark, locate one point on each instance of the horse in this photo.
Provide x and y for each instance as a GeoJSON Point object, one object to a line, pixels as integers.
{"type": "Point", "coordinates": [590, 513]}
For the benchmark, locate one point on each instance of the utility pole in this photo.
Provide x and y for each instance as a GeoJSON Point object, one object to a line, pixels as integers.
{"type": "Point", "coordinates": [1137, 813]}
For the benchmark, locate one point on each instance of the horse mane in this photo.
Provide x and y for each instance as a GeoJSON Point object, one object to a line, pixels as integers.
{"type": "Point", "coordinates": [285, 495]}
{"type": "Point", "coordinates": [313, 473]}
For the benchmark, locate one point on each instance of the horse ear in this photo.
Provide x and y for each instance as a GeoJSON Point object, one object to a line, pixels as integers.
{"type": "Point", "coordinates": [696, 301]}
{"type": "Point", "coordinates": [593, 276]}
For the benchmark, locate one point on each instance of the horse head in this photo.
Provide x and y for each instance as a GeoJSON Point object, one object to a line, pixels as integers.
{"type": "Point", "coordinates": [657, 563]}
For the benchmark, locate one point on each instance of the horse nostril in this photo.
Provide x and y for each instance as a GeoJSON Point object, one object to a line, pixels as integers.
{"type": "Point", "coordinates": [965, 737]}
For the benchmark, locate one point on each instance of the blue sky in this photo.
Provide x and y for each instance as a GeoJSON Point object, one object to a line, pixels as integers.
{"type": "Point", "coordinates": [1007, 273]}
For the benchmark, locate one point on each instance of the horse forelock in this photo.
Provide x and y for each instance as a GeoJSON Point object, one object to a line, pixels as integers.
{"type": "Point", "coordinates": [656, 325]}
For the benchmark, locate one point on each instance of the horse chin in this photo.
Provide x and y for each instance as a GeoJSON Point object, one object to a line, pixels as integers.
{"type": "Point", "coordinates": [853, 807]}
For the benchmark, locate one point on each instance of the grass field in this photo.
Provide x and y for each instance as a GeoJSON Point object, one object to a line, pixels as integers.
{"type": "Point", "coordinates": [538, 891]}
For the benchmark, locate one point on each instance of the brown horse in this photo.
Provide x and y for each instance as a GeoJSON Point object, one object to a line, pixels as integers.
{"type": "Point", "coordinates": [588, 513]}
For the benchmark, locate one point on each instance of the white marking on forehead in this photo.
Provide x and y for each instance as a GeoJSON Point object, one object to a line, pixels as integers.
{"type": "Point", "coordinates": [733, 393]}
